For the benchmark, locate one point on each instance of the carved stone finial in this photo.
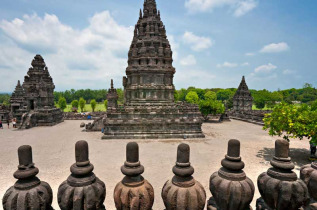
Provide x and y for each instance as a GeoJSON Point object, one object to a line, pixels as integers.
{"type": "Point", "coordinates": [308, 174]}
{"type": "Point", "coordinates": [82, 189]}
{"type": "Point", "coordinates": [230, 187]}
{"type": "Point", "coordinates": [133, 192]}
{"type": "Point", "coordinates": [279, 186]}
{"type": "Point", "coordinates": [183, 191]}
{"type": "Point", "coordinates": [31, 192]}
{"type": "Point", "coordinates": [111, 83]}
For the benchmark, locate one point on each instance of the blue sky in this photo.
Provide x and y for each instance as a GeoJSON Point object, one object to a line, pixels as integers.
{"type": "Point", "coordinates": [85, 42]}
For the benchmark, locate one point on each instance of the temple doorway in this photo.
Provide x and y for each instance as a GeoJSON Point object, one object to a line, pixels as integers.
{"type": "Point", "coordinates": [32, 104]}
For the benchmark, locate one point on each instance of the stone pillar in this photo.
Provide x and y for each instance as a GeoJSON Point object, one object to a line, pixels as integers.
{"type": "Point", "coordinates": [133, 192]}
{"type": "Point", "coordinates": [28, 191]}
{"type": "Point", "coordinates": [231, 189]}
{"type": "Point", "coordinates": [279, 186]}
{"type": "Point", "coordinates": [308, 174]}
{"type": "Point", "coordinates": [183, 191]}
{"type": "Point", "coordinates": [82, 189]}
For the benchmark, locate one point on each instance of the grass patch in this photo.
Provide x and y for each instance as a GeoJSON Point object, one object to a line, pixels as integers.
{"type": "Point", "coordinates": [99, 107]}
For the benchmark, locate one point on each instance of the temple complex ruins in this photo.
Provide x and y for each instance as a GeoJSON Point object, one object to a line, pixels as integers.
{"type": "Point", "coordinates": [242, 100]}
{"type": "Point", "coordinates": [32, 104]}
{"type": "Point", "coordinates": [149, 110]}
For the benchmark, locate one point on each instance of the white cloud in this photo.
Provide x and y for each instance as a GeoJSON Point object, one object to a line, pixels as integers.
{"type": "Point", "coordinates": [74, 57]}
{"type": "Point", "coordinates": [244, 7]}
{"type": "Point", "coordinates": [198, 43]}
{"type": "Point", "coordinates": [239, 7]}
{"type": "Point", "coordinates": [275, 48]}
{"type": "Point", "coordinates": [231, 65]}
{"type": "Point", "coordinates": [227, 65]}
{"type": "Point", "coordinates": [250, 54]}
{"type": "Point", "coordinates": [265, 68]}
{"type": "Point", "coordinates": [188, 60]}
{"type": "Point", "coordinates": [288, 72]}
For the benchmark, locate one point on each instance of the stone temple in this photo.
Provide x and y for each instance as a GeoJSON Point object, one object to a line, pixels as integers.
{"type": "Point", "coordinates": [149, 110]}
{"type": "Point", "coordinates": [32, 104]}
{"type": "Point", "coordinates": [242, 100]}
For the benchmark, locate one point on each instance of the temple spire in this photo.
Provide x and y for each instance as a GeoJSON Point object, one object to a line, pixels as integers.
{"type": "Point", "coordinates": [111, 83]}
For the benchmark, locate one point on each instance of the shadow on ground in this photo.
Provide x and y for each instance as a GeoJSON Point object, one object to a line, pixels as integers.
{"type": "Point", "coordinates": [299, 156]}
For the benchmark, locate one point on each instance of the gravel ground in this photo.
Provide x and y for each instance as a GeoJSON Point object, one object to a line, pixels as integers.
{"type": "Point", "coordinates": [53, 154]}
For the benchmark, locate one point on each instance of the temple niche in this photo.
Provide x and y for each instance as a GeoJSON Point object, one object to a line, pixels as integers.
{"type": "Point", "coordinates": [32, 104]}
{"type": "Point", "coordinates": [242, 100]}
{"type": "Point", "coordinates": [149, 110]}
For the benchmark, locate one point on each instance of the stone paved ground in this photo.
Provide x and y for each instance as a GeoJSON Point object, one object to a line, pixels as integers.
{"type": "Point", "coordinates": [53, 154]}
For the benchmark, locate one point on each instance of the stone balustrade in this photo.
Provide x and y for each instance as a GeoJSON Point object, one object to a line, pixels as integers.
{"type": "Point", "coordinates": [230, 187]}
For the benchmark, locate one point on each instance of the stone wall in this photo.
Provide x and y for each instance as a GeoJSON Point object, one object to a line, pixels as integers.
{"type": "Point", "coordinates": [80, 116]}
{"type": "Point", "coordinates": [254, 116]}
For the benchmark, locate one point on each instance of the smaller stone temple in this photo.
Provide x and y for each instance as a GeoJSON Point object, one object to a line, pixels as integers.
{"type": "Point", "coordinates": [32, 104]}
{"type": "Point", "coordinates": [112, 97]}
{"type": "Point", "coordinates": [242, 100]}
{"type": "Point", "coordinates": [4, 113]}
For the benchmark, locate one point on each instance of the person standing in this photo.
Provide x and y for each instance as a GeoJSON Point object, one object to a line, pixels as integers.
{"type": "Point", "coordinates": [8, 122]}
{"type": "Point", "coordinates": [1, 127]}
{"type": "Point", "coordinates": [14, 123]}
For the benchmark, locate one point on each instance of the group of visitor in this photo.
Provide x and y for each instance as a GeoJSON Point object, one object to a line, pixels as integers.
{"type": "Point", "coordinates": [14, 123]}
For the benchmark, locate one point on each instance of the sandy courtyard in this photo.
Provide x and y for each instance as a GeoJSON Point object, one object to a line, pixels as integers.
{"type": "Point", "coordinates": [53, 154]}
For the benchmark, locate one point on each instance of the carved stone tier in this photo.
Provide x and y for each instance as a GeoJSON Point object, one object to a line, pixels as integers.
{"type": "Point", "coordinates": [308, 174]}
{"type": "Point", "coordinates": [242, 100]}
{"type": "Point", "coordinates": [180, 120]}
{"type": "Point", "coordinates": [230, 187]}
{"type": "Point", "coordinates": [28, 192]}
{"type": "Point", "coordinates": [183, 191]}
{"type": "Point", "coordinates": [133, 192]}
{"type": "Point", "coordinates": [279, 186]}
{"type": "Point", "coordinates": [82, 189]}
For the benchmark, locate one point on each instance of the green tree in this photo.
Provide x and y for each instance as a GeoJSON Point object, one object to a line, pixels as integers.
{"type": "Point", "coordinates": [260, 103]}
{"type": "Point", "coordinates": [210, 95]}
{"type": "Point", "coordinates": [106, 104]}
{"type": "Point", "coordinates": [208, 107]}
{"type": "Point", "coordinates": [82, 104]}
{"type": "Point", "coordinates": [62, 103]}
{"type": "Point", "coordinates": [93, 104]}
{"type": "Point", "coordinates": [291, 121]}
{"type": "Point", "coordinates": [314, 106]}
{"type": "Point", "coordinates": [75, 104]}
{"type": "Point", "coordinates": [176, 97]}
{"type": "Point", "coordinates": [192, 97]}
{"type": "Point", "coordinates": [224, 95]}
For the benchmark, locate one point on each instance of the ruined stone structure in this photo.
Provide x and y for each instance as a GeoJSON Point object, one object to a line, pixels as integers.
{"type": "Point", "coordinates": [308, 174]}
{"type": "Point", "coordinates": [29, 192]}
{"type": "Point", "coordinates": [242, 100]}
{"type": "Point", "coordinates": [149, 110]}
{"type": "Point", "coordinates": [133, 192]}
{"type": "Point", "coordinates": [33, 102]}
{"type": "Point", "coordinates": [224, 196]}
{"type": "Point", "coordinates": [183, 191]}
{"type": "Point", "coordinates": [4, 113]}
{"type": "Point", "coordinates": [82, 189]}
{"type": "Point", "coordinates": [279, 186]}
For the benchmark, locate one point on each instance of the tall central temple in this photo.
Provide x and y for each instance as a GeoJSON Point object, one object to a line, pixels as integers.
{"type": "Point", "coordinates": [149, 109]}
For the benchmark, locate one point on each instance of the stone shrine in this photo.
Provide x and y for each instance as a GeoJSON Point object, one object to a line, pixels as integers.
{"type": "Point", "coordinates": [242, 100]}
{"type": "Point", "coordinates": [112, 96]}
{"type": "Point", "coordinates": [4, 113]}
{"type": "Point", "coordinates": [33, 102]}
{"type": "Point", "coordinates": [149, 110]}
